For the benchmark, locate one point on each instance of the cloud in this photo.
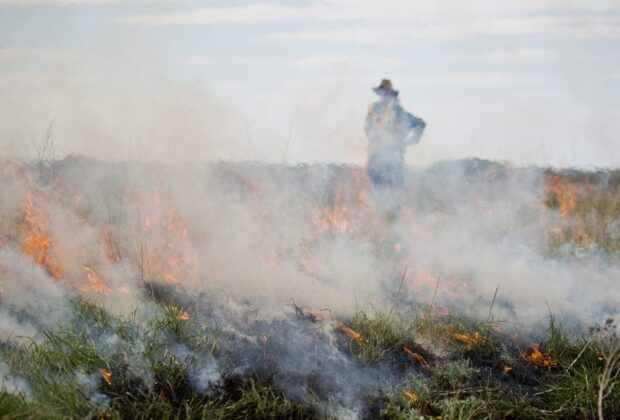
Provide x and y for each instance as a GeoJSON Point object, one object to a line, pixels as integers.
{"type": "Point", "coordinates": [512, 55]}
{"type": "Point", "coordinates": [197, 60]}
{"type": "Point", "coordinates": [324, 10]}
{"type": "Point", "coordinates": [16, 53]}
{"type": "Point", "coordinates": [461, 80]}
{"type": "Point", "coordinates": [327, 61]}
{"type": "Point", "coordinates": [537, 94]}
{"type": "Point", "coordinates": [414, 19]}
{"type": "Point", "coordinates": [573, 27]}
{"type": "Point", "coordinates": [244, 14]}
{"type": "Point", "coordinates": [302, 63]}
{"type": "Point", "coordinates": [475, 80]}
{"type": "Point", "coordinates": [528, 55]}
{"type": "Point", "coordinates": [24, 3]}
{"type": "Point", "coordinates": [29, 53]}
{"type": "Point", "coordinates": [609, 76]}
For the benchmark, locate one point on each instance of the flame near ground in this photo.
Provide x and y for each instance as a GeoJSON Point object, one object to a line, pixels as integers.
{"type": "Point", "coordinates": [243, 241]}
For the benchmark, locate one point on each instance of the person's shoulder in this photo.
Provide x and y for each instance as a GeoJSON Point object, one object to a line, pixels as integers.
{"type": "Point", "coordinates": [399, 110]}
{"type": "Point", "coordinates": [374, 106]}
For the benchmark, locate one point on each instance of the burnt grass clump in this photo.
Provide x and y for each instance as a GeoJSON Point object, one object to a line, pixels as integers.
{"type": "Point", "coordinates": [186, 362]}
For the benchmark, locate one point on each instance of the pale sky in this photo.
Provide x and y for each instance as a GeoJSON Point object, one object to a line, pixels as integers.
{"type": "Point", "coordinates": [529, 81]}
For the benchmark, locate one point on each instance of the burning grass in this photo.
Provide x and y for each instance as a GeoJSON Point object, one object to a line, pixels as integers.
{"type": "Point", "coordinates": [588, 204]}
{"type": "Point", "coordinates": [189, 347]}
{"type": "Point", "coordinates": [383, 336]}
{"type": "Point", "coordinates": [112, 367]}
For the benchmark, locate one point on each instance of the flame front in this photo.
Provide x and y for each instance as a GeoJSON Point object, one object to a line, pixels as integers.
{"type": "Point", "coordinates": [412, 397]}
{"type": "Point", "coordinates": [417, 357]}
{"type": "Point", "coordinates": [96, 284]}
{"type": "Point", "coordinates": [563, 195]}
{"type": "Point", "coordinates": [538, 358]}
{"type": "Point", "coordinates": [37, 242]}
{"type": "Point", "coordinates": [106, 375]}
{"type": "Point", "coordinates": [165, 251]}
{"type": "Point", "coordinates": [475, 338]}
{"type": "Point", "coordinates": [355, 336]}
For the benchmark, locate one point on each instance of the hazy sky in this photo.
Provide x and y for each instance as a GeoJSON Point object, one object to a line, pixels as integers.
{"type": "Point", "coordinates": [531, 81]}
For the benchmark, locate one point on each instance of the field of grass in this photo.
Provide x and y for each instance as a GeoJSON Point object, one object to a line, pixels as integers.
{"type": "Point", "coordinates": [449, 367]}
{"type": "Point", "coordinates": [209, 357]}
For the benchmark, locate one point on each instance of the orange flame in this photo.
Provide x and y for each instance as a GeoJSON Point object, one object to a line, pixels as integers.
{"type": "Point", "coordinates": [352, 334]}
{"type": "Point", "coordinates": [336, 219]}
{"type": "Point", "coordinates": [184, 316]}
{"type": "Point", "coordinates": [413, 397]}
{"type": "Point", "coordinates": [538, 358]}
{"type": "Point", "coordinates": [106, 375]}
{"type": "Point", "coordinates": [348, 204]}
{"type": "Point", "coordinates": [170, 255]}
{"type": "Point", "coordinates": [566, 197]}
{"type": "Point", "coordinates": [110, 245]}
{"type": "Point", "coordinates": [563, 194]}
{"type": "Point", "coordinates": [417, 357]}
{"type": "Point", "coordinates": [474, 338]}
{"type": "Point", "coordinates": [37, 242]}
{"type": "Point", "coordinates": [96, 283]}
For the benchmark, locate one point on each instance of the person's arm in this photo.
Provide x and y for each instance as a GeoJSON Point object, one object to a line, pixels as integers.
{"type": "Point", "coordinates": [416, 128]}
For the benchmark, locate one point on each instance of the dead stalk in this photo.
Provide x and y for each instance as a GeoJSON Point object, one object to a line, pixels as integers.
{"type": "Point", "coordinates": [402, 281]}
{"type": "Point", "coordinates": [608, 377]}
{"type": "Point", "coordinates": [492, 304]}
{"type": "Point", "coordinates": [579, 355]}
{"type": "Point", "coordinates": [433, 300]}
{"type": "Point", "coordinates": [610, 352]}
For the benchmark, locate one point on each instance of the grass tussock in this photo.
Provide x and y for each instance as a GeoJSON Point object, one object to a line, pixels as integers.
{"type": "Point", "coordinates": [383, 335]}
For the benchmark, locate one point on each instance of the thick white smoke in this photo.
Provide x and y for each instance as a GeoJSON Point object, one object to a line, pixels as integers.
{"type": "Point", "coordinates": [242, 241]}
{"type": "Point", "coordinates": [318, 234]}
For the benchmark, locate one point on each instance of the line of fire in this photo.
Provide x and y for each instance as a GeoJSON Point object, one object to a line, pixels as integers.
{"type": "Point", "coordinates": [468, 289]}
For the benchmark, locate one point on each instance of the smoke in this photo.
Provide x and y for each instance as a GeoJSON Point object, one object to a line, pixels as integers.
{"type": "Point", "coordinates": [113, 102]}
{"type": "Point", "coordinates": [239, 241]}
{"type": "Point", "coordinates": [10, 383]}
{"type": "Point", "coordinates": [480, 234]}
{"type": "Point", "coordinates": [31, 300]}
{"type": "Point", "coordinates": [319, 234]}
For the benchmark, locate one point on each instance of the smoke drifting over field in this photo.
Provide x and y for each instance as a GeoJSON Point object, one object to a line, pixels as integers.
{"type": "Point", "coordinates": [235, 244]}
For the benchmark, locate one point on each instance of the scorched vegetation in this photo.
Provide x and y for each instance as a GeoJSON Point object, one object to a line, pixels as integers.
{"type": "Point", "coordinates": [238, 291]}
{"type": "Point", "coordinates": [103, 366]}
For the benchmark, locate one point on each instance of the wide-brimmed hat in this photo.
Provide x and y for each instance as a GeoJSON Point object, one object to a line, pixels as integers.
{"type": "Point", "coordinates": [385, 88]}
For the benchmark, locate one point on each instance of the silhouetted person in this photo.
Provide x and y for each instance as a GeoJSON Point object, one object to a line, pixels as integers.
{"type": "Point", "coordinates": [390, 129]}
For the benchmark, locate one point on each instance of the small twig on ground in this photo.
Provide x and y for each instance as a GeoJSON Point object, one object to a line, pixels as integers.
{"type": "Point", "coordinates": [559, 410]}
{"type": "Point", "coordinates": [463, 391]}
{"type": "Point", "coordinates": [547, 391]}
{"type": "Point", "coordinates": [495, 322]}
{"type": "Point", "coordinates": [579, 355]}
